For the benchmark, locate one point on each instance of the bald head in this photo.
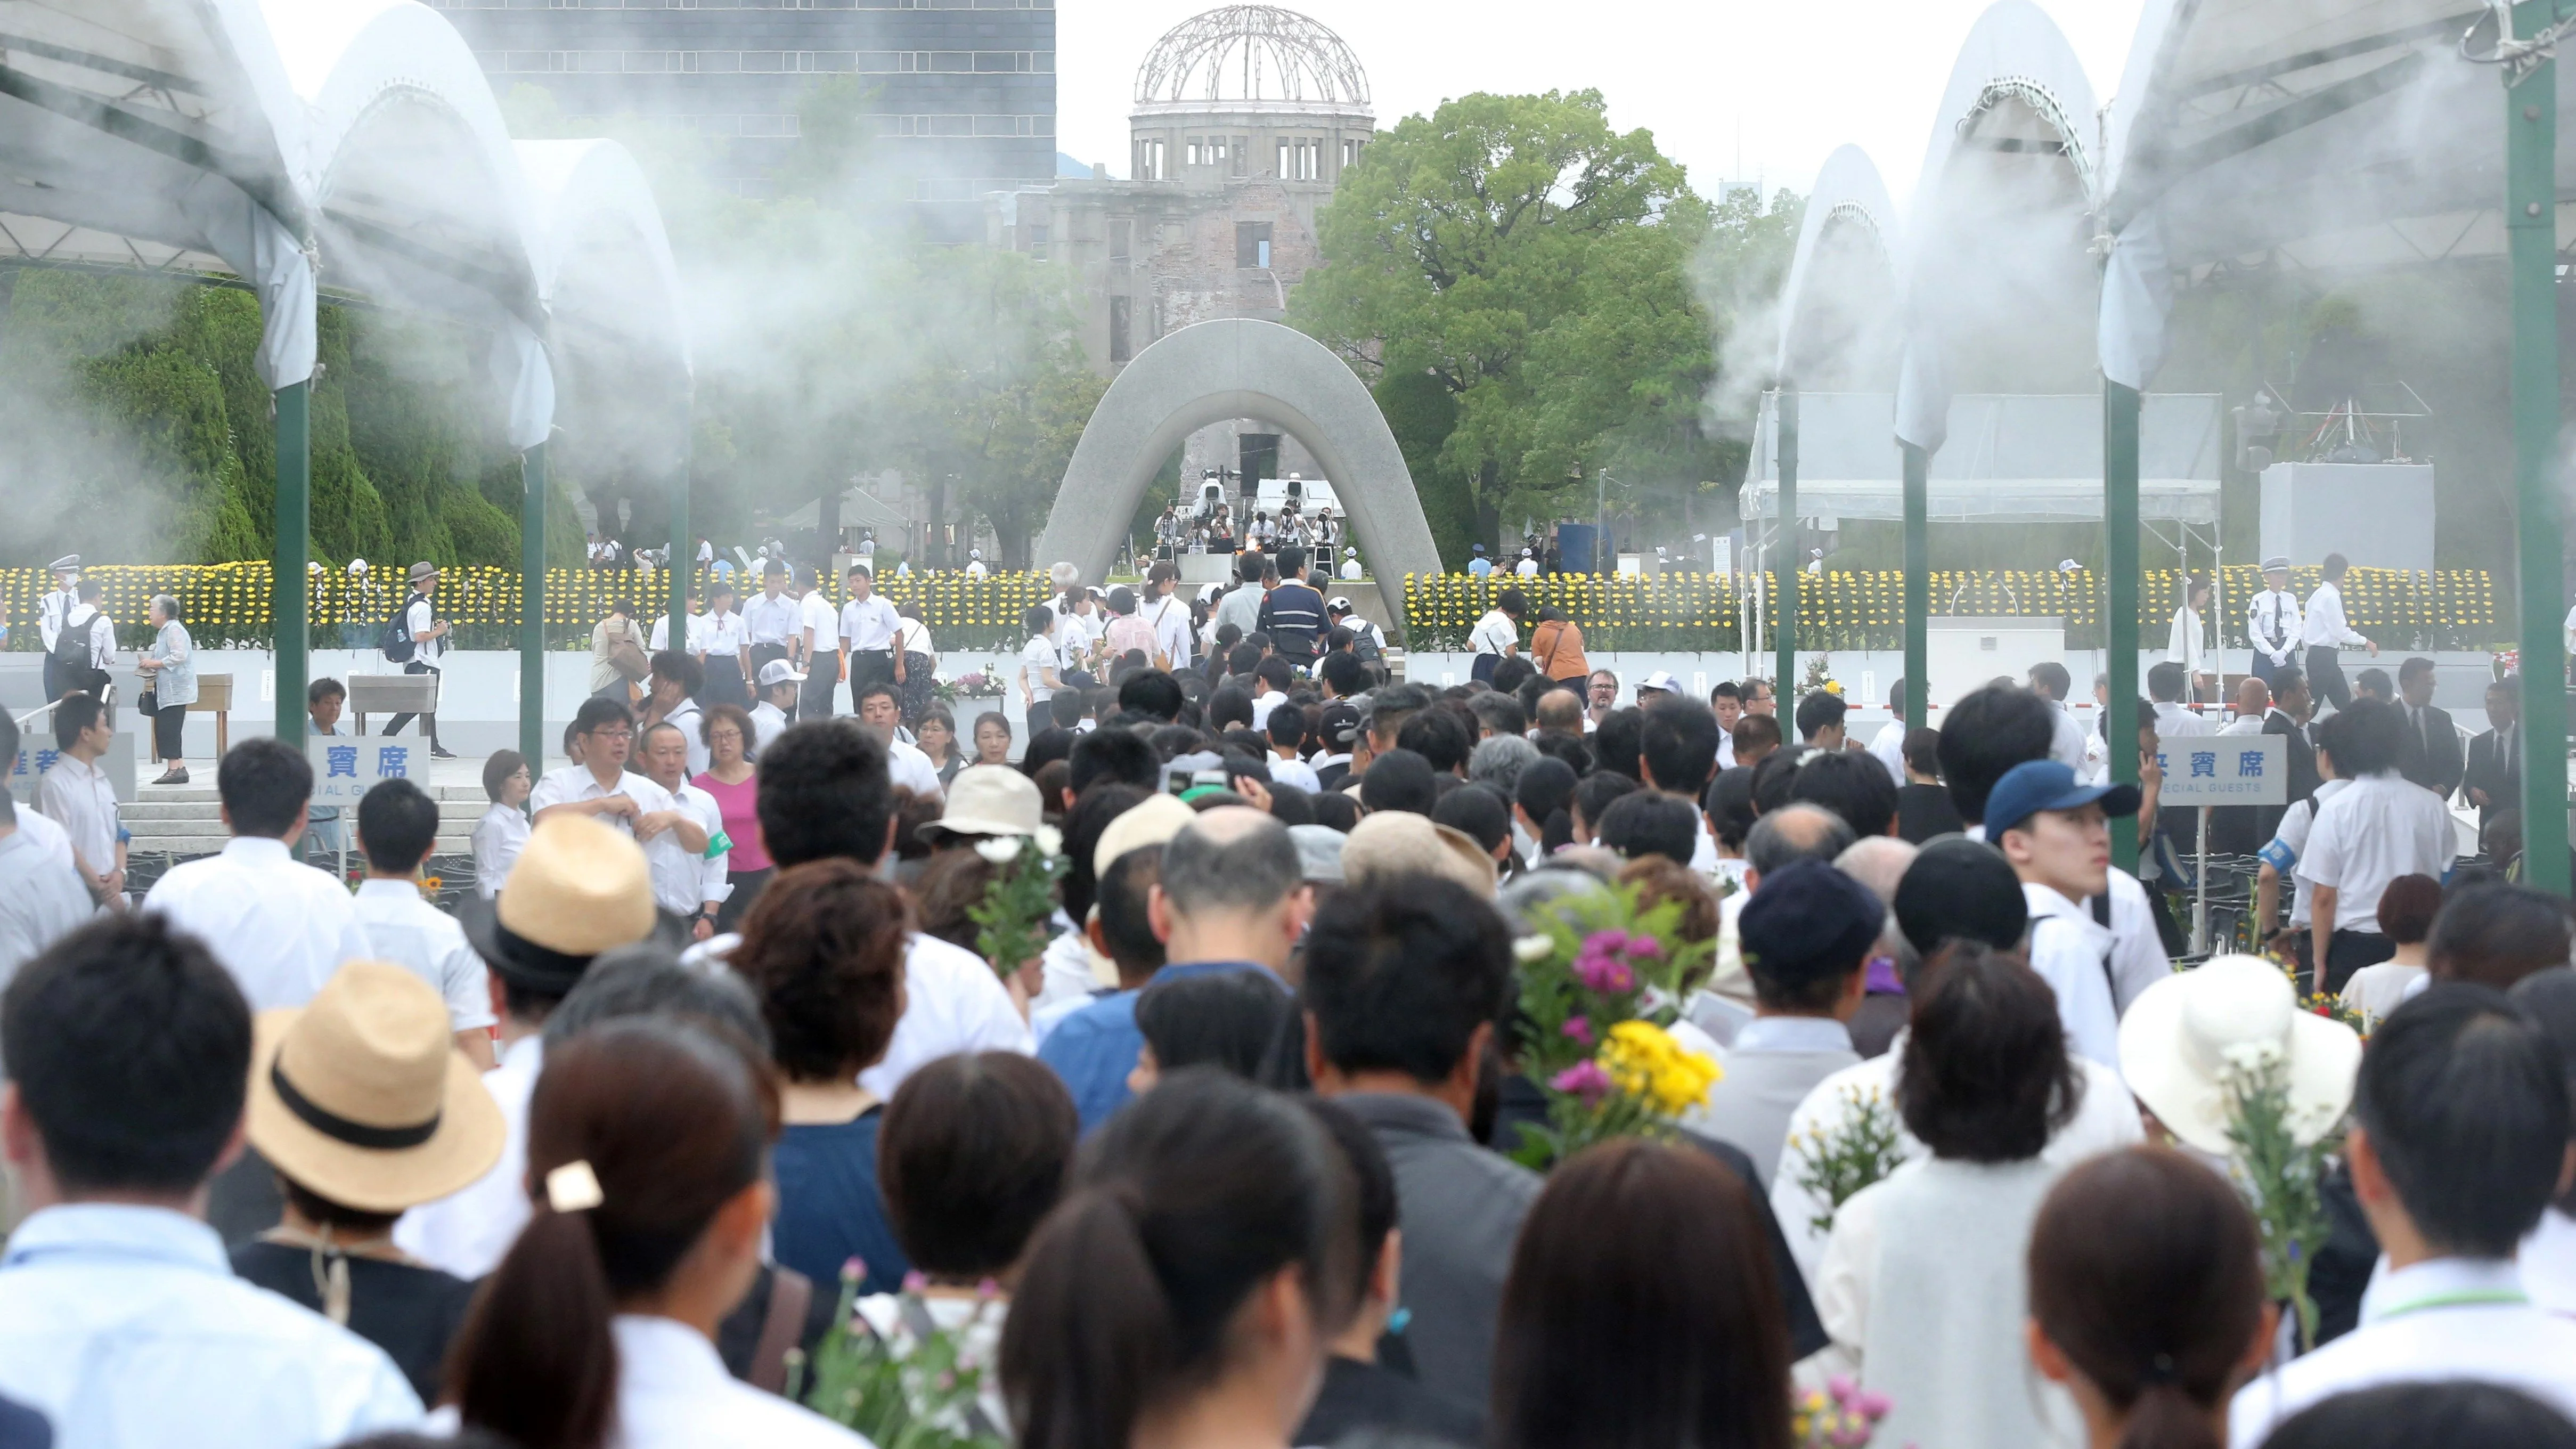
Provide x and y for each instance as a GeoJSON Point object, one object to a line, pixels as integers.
{"type": "Point", "coordinates": [1230, 859]}
{"type": "Point", "coordinates": [1794, 833]}
{"type": "Point", "coordinates": [1561, 709]}
{"type": "Point", "coordinates": [2253, 698]}
{"type": "Point", "coordinates": [1878, 862]}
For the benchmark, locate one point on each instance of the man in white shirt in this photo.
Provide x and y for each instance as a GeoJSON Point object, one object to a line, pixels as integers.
{"type": "Point", "coordinates": [869, 625]}
{"type": "Point", "coordinates": [578, 890]}
{"type": "Point", "coordinates": [397, 825]}
{"type": "Point", "coordinates": [771, 620]}
{"type": "Point", "coordinates": [1168, 616]}
{"type": "Point", "coordinates": [952, 1000]}
{"type": "Point", "coordinates": [1806, 939]}
{"type": "Point", "coordinates": [770, 717]}
{"type": "Point", "coordinates": [280, 926]}
{"type": "Point", "coordinates": [2381, 827]}
{"type": "Point", "coordinates": [77, 795]}
{"type": "Point", "coordinates": [2253, 703]}
{"type": "Point", "coordinates": [52, 613]}
{"type": "Point", "coordinates": [2057, 835]}
{"type": "Point", "coordinates": [2280, 859]}
{"type": "Point", "coordinates": [2459, 1142]}
{"type": "Point", "coordinates": [974, 563]}
{"type": "Point", "coordinates": [818, 647]}
{"type": "Point", "coordinates": [1497, 636]}
{"type": "Point", "coordinates": [696, 631]}
{"type": "Point", "coordinates": [2323, 629]}
{"type": "Point", "coordinates": [1888, 745]}
{"type": "Point", "coordinates": [428, 635]}
{"type": "Point", "coordinates": [42, 896]}
{"type": "Point", "coordinates": [2049, 680]}
{"type": "Point", "coordinates": [2273, 623]}
{"type": "Point", "coordinates": [2166, 685]}
{"type": "Point", "coordinates": [690, 881]}
{"type": "Point", "coordinates": [1527, 568]}
{"type": "Point", "coordinates": [880, 712]}
{"type": "Point", "coordinates": [603, 788]}
{"type": "Point", "coordinates": [1241, 606]}
{"type": "Point", "coordinates": [130, 1057]}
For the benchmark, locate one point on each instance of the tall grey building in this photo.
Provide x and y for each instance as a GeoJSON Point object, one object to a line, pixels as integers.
{"type": "Point", "coordinates": [963, 90]}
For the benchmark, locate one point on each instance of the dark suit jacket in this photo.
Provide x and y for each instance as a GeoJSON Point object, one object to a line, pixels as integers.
{"type": "Point", "coordinates": [2495, 771]}
{"type": "Point", "coordinates": [2303, 770]}
{"type": "Point", "coordinates": [2432, 757]}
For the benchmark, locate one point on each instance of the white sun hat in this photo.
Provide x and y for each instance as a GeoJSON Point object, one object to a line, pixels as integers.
{"type": "Point", "coordinates": [2189, 1036]}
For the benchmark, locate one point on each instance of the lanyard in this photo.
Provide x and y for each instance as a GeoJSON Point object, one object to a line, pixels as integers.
{"type": "Point", "coordinates": [2467, 1298]}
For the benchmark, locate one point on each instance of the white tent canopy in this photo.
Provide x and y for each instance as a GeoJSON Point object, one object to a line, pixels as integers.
{"type": "Point", "coordinates": [2349, 137]}
{"type": "Point", "coordinates": [1849, 227]}
{"type": "Point", "coordinates": [2030, 458]}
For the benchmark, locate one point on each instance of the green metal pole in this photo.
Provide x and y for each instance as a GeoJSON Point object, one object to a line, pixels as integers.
{"type": "Point", "coordinates": [2120, 561]}
{"type": "Point", "coordinates": [1918, 585]}
{"type": "Point", "coordinates": [532, 607]}
{"type": "Point", "coordinates": [1784, 603]}
{"type": "Point", "coordinates": [683, 562]}
{"type": "Point", "coordinates": [290, 593]}
{"type": "Point", "coordinates": [2531, 225]}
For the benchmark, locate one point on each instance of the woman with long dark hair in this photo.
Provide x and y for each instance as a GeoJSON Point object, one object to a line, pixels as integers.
{"type": "Point", "coordinates": [1641, 1311]}
{"type": "Point", "coordinates": [2146, 1298]}
{"type": "Point", "coordinates": [646, 1144]}
{"type": "Point", "coordinates": [1184, 1292]}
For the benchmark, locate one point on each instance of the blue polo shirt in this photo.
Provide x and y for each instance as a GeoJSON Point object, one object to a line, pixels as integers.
{"type": "Point", "coordinates": [1095, 1048]}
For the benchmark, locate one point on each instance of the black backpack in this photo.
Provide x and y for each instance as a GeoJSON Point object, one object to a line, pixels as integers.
{"type": "Point", "coordinates": [395, 637]}
{"type": "Point", "coordinates": [71, 646]}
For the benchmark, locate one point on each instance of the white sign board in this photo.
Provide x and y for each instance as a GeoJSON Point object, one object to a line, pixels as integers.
{"type": "Point", "coordinates": [346, 768]}
{"type": "Point", "coordinates": [2224, 770]}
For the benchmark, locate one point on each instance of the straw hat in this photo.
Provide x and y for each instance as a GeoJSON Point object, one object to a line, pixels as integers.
{"type": "Point", "coordinates": [577, 889]}
{"type": "Point", "coordinates": [993, 800]}
{"type": "Point", "coordinates": [2185, 1034]}
{"type": "Point", "coordinates": [1399, 842]}
{"type": "Point", "coordinates": [362, 1096]}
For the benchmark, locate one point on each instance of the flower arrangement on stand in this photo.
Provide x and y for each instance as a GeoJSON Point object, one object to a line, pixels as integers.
{"type": "Point", "coordinates": [1600, 979]}
{"type": "Point", "coordinates": [920, 1394]}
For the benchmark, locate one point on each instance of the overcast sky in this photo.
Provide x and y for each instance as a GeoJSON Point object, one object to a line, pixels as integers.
{"type": "Point", "coordinates": [1792, 78]}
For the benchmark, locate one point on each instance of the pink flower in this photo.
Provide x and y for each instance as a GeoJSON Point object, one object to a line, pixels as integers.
{"type": "Point", "coordinates": [1873, 1407]}
{"type": "Point", "coordinates": [1602, 943]}
{"type": "Point", "coordinates": [1585, 1080]}
{"type": "Point", "coordinates": [1607, 974]}
{"type": "Point", "coordinates": [915, 1281]}
{"type": "Point", "coordinates": [1841, 1387]}
{"type": "Point", "coordinates": [855, 1269]}
{"type": "Point", "coordinates": [1579, 1028]}
{"type": "Point", "coordinates": [1643, 946]}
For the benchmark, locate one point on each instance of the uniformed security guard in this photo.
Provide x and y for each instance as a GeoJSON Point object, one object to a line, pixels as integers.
{"type": "Point", "coordinates": [2272, 622]}
{"type": "Point", "coordinates": [50, 614]}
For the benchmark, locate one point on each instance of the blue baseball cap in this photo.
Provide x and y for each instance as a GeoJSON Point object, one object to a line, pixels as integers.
{"type": "Point", "coordinates": [2035, 785]}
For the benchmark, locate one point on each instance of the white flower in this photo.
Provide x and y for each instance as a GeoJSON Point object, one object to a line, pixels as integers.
{"type": "Point", "coordinates": [1530, 950]}
{"type": "Point", "coordinates": [999, 849]}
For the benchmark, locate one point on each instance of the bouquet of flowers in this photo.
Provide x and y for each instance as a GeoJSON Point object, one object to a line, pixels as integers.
{"type": "Point", "coordinates": [1598, 981]}
{"type": "Point", "coordinates": [2281, 1176]}
{"type": "Point", "coordinates": [1842, 1415]}
{"type": "Point", "coordinates": [1840, 1160]}
{"type": "Point", "coordinates": [918, 1394]}
{"type": "Point", "coordinates": [973, 684]}
{"type": "Point", "coordinates": [1012, 917]}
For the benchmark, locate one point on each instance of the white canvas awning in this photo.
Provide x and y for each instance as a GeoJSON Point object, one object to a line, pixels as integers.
{"type": "Point", "coordinates": [2009, 459]}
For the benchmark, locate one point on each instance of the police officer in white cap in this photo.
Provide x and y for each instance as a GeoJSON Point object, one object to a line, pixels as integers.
{"type": "Point", "coordinates": [50, 614]}
{"type": "Point", "coordinates": [2272, 622]}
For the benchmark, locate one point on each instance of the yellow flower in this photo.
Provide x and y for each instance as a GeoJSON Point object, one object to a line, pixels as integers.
{"type": "Point", "coordinates": [1648, 1063]}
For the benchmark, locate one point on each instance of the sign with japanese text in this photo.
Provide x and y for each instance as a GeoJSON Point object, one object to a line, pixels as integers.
{"type": "Point", "coordinates": [2224, 770]}
{"type": "Point", "coordinates": [345, 768]}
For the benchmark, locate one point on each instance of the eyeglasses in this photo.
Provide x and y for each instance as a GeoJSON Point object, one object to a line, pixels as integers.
{"type": "Point", "coordinates": [612, 736]}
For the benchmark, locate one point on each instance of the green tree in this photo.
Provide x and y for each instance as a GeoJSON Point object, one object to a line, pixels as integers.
{"type": "Point", "coordinates": [1536, 264]}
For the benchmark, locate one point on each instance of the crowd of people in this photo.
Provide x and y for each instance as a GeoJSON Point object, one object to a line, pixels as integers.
{"type": "Point", "coordinates": [1223, 1152]}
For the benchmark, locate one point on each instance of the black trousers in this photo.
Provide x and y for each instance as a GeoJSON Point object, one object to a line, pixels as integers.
{"type": "Point", "coordinates": [428, 722]}
{"type": "Point", "coordinates": [2325, 676]}
{"type": "Point", "coordinates": [169, 729]}
{"type": "Point", "coordinates": [725, 684]}
{"type": "Point", "coordinates": [2349, 951]}
{"type": "Point", "coordinates": [747, 886]}
{"type": "Point", "coordinates": [871, 666]}
{"type": "Point", "coordinates": [814, 697]}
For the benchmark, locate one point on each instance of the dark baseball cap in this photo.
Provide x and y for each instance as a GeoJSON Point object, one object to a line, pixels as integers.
{"type": "Point", "coordinates": [2036, 785]}
{"type": "Point", "coordinates": [1960, 888]}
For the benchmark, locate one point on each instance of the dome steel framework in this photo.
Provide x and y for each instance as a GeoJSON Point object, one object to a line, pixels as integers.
{"type": "Point", "coordinates": [1251, 53]}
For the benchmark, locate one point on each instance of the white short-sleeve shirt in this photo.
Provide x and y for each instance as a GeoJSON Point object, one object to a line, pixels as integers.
{"type": "Point", "coordinates": [572, 784]}
{"type": "Point", "coordinates": [2381, 827]}
{"type": "Point", "coordinates": [278, 925]}
{"type": "Point", "coordinates": [1037, 657]}
{"type": "Point", "coordinates": [425, 941]}
{"type": "Point", "coordinates": [1494, 634]}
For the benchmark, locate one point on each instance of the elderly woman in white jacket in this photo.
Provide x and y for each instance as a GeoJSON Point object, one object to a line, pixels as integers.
{"type": "Point", "coordinates": [169, 667]}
